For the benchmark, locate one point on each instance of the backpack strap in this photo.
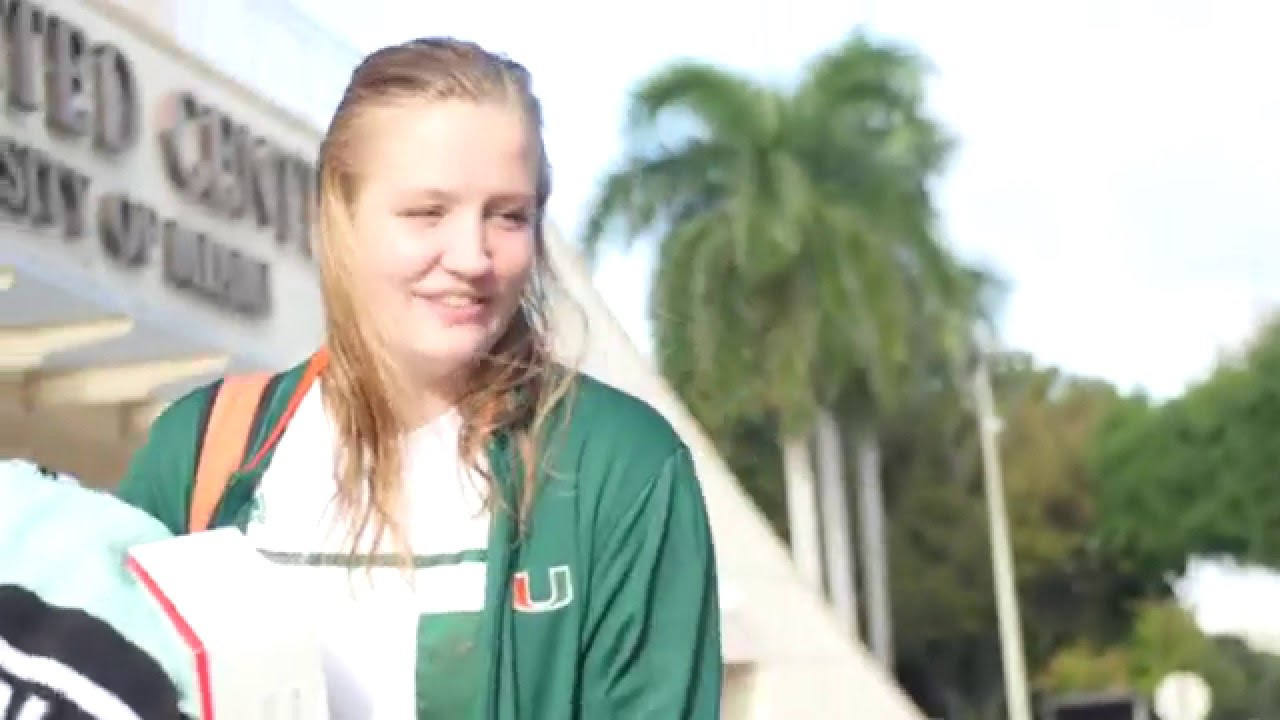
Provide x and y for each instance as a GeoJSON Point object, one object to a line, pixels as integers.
{"type": "Point", "coordinates": [226, 437]}
{"type": "Point", "coordinates": [310, 373]}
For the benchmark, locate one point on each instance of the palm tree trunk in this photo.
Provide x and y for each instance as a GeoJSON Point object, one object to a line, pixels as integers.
{"type": "Point", "coordinates": [835, 521]}
{"type": "Point", "coordinates": [802, 508]}
{"type": "Point", "coordinates": [875, 551]}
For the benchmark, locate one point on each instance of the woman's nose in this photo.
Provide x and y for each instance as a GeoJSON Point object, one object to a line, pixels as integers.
{"type": "Point", "coordinates": [466, 251]}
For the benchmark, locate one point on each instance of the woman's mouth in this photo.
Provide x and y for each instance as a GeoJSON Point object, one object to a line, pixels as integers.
{"type": "Point", "coordinates": [457, 308]}
{"type": "Point", "coordinates": [457, 301]}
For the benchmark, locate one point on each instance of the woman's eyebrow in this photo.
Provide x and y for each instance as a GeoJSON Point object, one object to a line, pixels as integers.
{"type": "Point", "coordinates": [425, 194]}
{"type": "Point", "coordinates": [514, 198]}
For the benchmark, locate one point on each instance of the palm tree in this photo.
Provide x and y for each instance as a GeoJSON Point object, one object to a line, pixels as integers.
{"type": "Point", "coordinates": [872, 96]}
{"type": "Point", "coordinates": [797, 256]}
{"type": "Point", "coordinates": [737, 328]}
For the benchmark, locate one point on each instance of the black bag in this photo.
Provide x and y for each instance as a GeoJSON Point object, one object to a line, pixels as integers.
{"type": "Point", "coordinates": [65, 664]}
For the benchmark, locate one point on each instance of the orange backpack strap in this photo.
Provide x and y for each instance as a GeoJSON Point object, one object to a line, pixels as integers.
{"type": "Point", "coordinates": [226, 438]}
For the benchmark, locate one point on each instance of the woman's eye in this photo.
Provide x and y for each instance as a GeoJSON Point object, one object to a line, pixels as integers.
{"type": "Point", "coordinates": [430, 213]}
{"type": "Point", "coordinates": [515, 220]}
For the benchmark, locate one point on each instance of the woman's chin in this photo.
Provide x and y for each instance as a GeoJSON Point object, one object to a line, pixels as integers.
{"type": "Point", "coordinates": [451, 349]}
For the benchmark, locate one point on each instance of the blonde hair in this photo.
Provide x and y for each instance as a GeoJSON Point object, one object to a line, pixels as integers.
{"type": "Point", "coordinates": [512, 390]}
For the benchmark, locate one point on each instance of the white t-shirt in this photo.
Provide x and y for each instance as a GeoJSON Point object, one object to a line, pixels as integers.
{"type": "Point", "coordinates": [371, 618]}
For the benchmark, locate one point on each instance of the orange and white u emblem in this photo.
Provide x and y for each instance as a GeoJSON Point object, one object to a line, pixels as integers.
{"type": "Point", "coordinates": [561, 582]}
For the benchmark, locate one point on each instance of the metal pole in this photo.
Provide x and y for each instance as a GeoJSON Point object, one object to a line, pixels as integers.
{"type": "Point", "coordinates": [1017, 699]}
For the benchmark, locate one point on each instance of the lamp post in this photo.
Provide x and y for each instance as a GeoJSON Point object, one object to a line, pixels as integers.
{"type": "Point", "coordinates": [1013, 660]}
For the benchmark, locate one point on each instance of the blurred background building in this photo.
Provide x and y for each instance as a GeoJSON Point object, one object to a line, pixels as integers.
{"type": "Point", "coordinates": [135, 263]}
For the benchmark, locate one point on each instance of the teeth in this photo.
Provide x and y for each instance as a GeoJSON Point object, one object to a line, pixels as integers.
{"type": "Point", "coordinates": [457, 301]}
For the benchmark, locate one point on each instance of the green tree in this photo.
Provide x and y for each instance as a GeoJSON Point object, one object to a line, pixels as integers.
{"type": "Point", "coordinates": [798, 261]}
{"type": "Point", "coordinates": [1165, 639]}
{"type": "Point", "coordinates": [1075, 589]}
{"type": "Point", "coordinates": [1070, 592]}
{"type": "Point", "coordinates": [1197, 474]}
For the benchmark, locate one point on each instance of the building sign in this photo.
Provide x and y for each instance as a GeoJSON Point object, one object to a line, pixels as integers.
{"type": "Point", "coordinates": [87, 91]}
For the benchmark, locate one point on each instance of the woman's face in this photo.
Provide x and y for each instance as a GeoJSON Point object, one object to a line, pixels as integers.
{"type": "Point", "coordinates": [445, 221]}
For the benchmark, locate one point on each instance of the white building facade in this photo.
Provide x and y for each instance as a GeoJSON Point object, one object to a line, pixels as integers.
{"type": "Point", "coordinates": [154, 199]}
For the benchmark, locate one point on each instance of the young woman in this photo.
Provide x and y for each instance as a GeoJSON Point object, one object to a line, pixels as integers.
{"type": "Point", "coordinates": [486, 534]}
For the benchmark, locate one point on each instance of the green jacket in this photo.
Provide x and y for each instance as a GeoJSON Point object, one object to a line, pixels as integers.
{"type": "Point", "coordinates": [618, 539]}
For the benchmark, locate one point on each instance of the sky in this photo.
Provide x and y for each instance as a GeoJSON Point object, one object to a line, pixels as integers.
{"type": "Point", "coordinates": [1118, 165]}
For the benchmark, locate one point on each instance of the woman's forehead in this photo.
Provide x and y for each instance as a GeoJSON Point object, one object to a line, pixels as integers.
{"type": "Point", "coordinates": [449, 148]}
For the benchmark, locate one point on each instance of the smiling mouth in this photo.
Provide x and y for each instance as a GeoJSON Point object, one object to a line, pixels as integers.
{"type": "Point", "coordinates": [457, 301]}
{"type": "Point", "coordinates": [457, 305]}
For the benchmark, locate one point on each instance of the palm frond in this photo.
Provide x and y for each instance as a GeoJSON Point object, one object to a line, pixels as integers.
{"type": "Point", "coordinates": [874, 73]}
{"type": "Point", "coordinates": [724, 105]}
{"type": "Point", "coordinates": [799, 256]}
{"type": "Point", "coordinates": [647, 192]}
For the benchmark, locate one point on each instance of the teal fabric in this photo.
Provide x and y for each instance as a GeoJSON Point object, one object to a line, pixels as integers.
{"type": "Point", "coordinates": [68, 545]}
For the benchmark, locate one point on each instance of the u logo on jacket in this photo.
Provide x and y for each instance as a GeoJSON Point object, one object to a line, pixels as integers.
{"type": "Point", "coordinates": [560, 581]}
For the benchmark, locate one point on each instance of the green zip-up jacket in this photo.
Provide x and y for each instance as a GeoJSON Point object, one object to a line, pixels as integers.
{"type": "Point", "coordinates": [618, 540]}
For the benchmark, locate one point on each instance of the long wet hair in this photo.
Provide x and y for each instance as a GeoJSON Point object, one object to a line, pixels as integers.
{"type": "Point", "coordinates": [512, 390]}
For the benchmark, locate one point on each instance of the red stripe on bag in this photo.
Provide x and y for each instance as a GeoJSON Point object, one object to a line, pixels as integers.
{"type": "Point", "coordinates": [185, 630]}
